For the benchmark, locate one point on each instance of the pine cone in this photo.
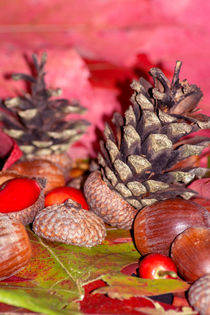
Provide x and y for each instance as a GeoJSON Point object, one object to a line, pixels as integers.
{"type": "Point", "coordinates": [142, 158]}
{"type": "Point", "coordinates": [36, 120]}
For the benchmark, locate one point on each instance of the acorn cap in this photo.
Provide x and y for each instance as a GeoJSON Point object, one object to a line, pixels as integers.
{"type": "Point", "coordinates": [25, 216]}
{"type": "Point", "coordinates": [108, 204]}
{"type": "Point", "coordinates": [199, 295]}
{"type": "Point", "coordinates": [69, 223]}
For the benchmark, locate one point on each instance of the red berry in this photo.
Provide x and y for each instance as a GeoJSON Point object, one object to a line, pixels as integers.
{"type": "Point", "coordinates": [61, 194]}
{"type": "Point", "coordinates": [157, 266]}
{"type": "Point", "coordinates": [17, 194]}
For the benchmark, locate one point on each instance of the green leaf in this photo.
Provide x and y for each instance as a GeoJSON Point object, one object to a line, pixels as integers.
{"type": "Point", "coordinates": [52, 282]}
{"type": "Point", "coordinates": [125, 287]}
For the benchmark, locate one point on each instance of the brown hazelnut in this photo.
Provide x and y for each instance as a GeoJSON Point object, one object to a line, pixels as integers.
{"type": "Point", "coordinates": [156, 226]}
{"type": "Point", "coordinates": [15, 247]}
{"type": "Point", "coordinates": [41, 168]}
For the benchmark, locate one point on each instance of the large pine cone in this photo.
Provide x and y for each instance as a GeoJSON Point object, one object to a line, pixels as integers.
{"type": "Point", "coordinates": [144, 159]}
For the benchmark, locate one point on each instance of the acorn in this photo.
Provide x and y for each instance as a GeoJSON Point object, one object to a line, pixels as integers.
{"type": "Point", "coordinates": [15, 247]}
{"type": "Point", "coordinates": [21, 197]}
{"type": "Point", "coordinates": [41, 168]}
{"type": "Point", "coordinates": [156, 226]}
{"type": "Point", "coordinates": [199, 295]}
{"type": "Point", "coordinates": [107, 204]}
{"type": "Point", "coordinates": [191, 253]}
{"type": "Point", "coordinates": [69, 223]}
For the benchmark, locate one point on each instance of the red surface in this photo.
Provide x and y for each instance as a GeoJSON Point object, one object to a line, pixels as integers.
{"type": "Point", "coordinates": [101, 304]}
{"type": "Point", "coordinates": [18, 194]}
{"type": "Point", "coordinates": [157, 266]}
{"type": "Point", "coordinates": [61, 194]}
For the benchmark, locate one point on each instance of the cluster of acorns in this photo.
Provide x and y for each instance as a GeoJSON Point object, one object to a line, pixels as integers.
{"type": "Point", "coordinates": [141, 181]}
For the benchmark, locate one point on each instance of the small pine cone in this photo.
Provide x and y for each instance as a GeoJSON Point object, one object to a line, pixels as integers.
{"type": "Point", "coordinates": [107, 204]}
{"type": "Point", "coordinates": [199, 295]}
{"type": "Point", "coordinates": [69, 223]}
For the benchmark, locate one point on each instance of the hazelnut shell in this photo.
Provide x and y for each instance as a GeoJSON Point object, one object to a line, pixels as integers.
{"type": "Point", "coordinates": [156, 226]}
{"type": "Point", "coordinates": [191, 253]}
{"type": "Point", "coordinates": [15, 247]}
{"type": "Point", "coordinates": [41, 168]}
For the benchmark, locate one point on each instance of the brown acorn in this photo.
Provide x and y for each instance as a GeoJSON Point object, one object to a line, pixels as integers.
{"type": "Point", "coordinates": [69, 223]}
{"type": "Point", "coordinates": [199, 295]}
{"type": "Point", "coordinates": [15, 247]}
{"type": "Point", "coordinates": [191, 253]}
{"type": "Point", "coordinates": [156, 226]}
{"type": "Point", "coordinates": [25, 216]}
{"type": "Point", "coordinates": [41, 168]}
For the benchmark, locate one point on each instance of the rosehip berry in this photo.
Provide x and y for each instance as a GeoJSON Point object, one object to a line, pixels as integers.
{"type": "Point", "coordinates": [61, 194]}
{"type": "Point", "coordinates": [157, 266]}
{"type": "Point", "coordinates": [17, 194]}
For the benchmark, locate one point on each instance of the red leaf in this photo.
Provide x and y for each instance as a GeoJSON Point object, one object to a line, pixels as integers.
{"type": "Point", "coordinates": [102, 304]}
{"type": "Point", "coordinates": [14, 155]}
{"type": "Point", "coordinates": [6, 144]}
{"type": "Point", "coordinates": [202, 186]}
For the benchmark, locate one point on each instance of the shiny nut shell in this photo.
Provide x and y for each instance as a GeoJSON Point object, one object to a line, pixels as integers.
{"type": "Point", "coordinates": [191, 253]}
{"type": "Point", "coordinates": [69, 223]}
{"type": "Point", "coordinates": [41, 168]}
{"type": "Point", "coordinates": [63, 161]}
{"type": "Point", "coordinates": [156, 226]}
{"type": "Point", "coordinates": [199, 295]}
{"type": "Point", "coordinates": [107, 204]}
{"type": "Point", "coordinates": [15, 247]}
{"type": "Point", "coordinates": [7, 175]}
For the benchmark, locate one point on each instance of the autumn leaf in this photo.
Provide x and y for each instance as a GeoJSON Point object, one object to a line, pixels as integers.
{"type": "Point", "coordinates": [159, 310]}
{"type": "Point", "coordinates": [14, 155]}
{"type": "Point", "coordinates": [201, 186]}
{"type": "Point", "coordinates": [56, 274]}
{"type": "Point", "coordinates": [121, 286]}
